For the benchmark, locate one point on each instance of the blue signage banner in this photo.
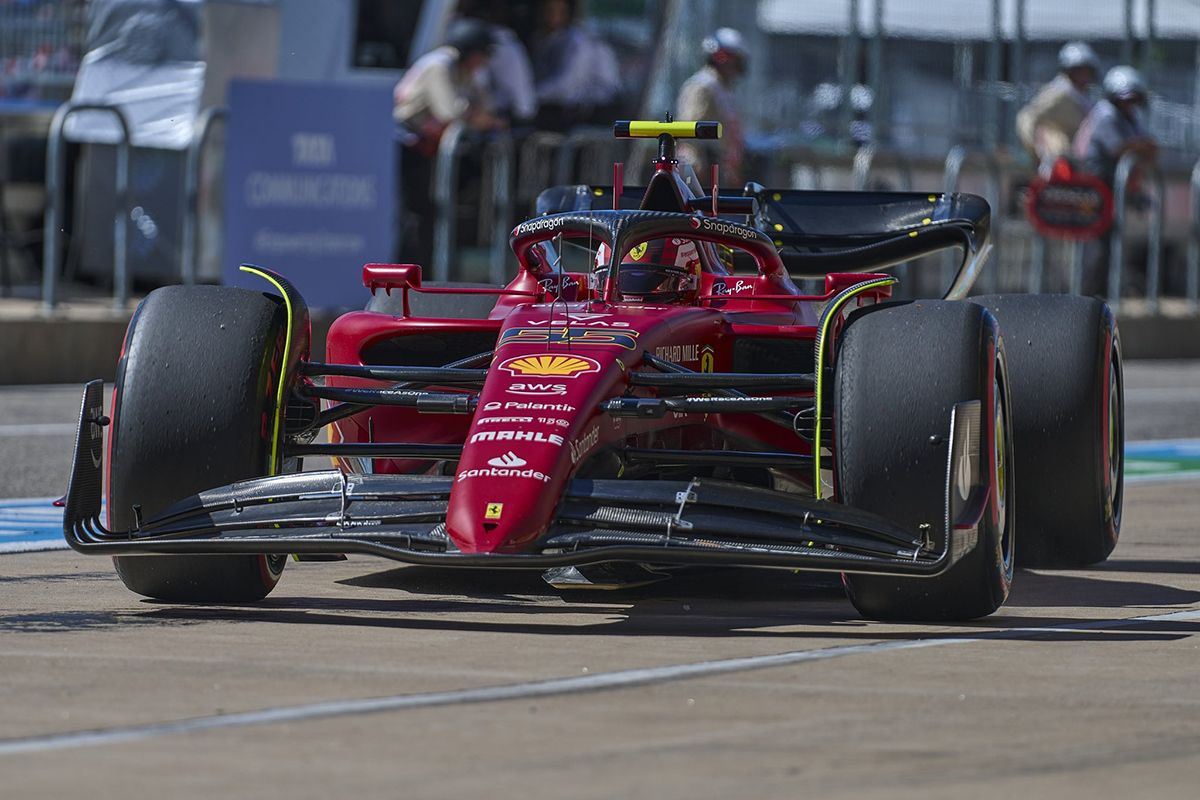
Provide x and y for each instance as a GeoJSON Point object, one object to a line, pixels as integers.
{"type": "Point", "coordinates": [309, 185]}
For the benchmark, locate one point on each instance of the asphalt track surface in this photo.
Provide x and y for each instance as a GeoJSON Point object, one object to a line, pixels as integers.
{"type": "Point", "coordinates": [365, 678]}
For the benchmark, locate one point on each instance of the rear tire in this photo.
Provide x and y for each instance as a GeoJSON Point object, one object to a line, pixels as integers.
{"type": "Point", "coordinates": [900, 371]}
{"type": "Point", "coordinates": [1064, 357]}
{"type": "Point", "coordinates": [193, 409]}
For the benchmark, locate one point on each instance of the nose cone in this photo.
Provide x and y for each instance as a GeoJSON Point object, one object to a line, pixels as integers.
{"type": "Point", "coordinates": [534, 411]}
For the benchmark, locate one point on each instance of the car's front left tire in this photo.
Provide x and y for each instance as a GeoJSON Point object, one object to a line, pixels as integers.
{"type": "Point", "coordinates": [193, 408]}
{"type": "Point", "coordinates": [900, 370]}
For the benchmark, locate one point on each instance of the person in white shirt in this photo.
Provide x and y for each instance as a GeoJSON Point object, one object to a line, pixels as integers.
{"type": "Point", "coordinates": [708, 95]}
{"type": "Point", "coordinates": [1047, 124]}
{"type": "Point", "coordinates": [441, 87]}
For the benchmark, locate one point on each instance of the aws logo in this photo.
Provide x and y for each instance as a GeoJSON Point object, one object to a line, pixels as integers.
{"type": "Point", "coordinates": [549, 366]}
{"type": "Point", "coordinates": [575, 336]}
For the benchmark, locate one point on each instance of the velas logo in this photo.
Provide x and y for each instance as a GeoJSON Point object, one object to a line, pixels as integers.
{"type": "Point", "coordinates": [549, 366]}
{"type": "Point", "coordinates": [510, 460]}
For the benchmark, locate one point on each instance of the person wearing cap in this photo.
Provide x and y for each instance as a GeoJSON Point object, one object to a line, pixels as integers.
{"type": "Point", "coordinates": [1112, 129]}
{"type": "Point", "coordinates": [440, 88]}
{"type": "Point", "coordinates": [708, 94]}
{"type": "Point", "coordinates": [1047, 124]}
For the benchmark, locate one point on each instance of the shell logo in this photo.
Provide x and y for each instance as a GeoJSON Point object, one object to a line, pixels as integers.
{"type": "Point", "coordinates": [550, 366]}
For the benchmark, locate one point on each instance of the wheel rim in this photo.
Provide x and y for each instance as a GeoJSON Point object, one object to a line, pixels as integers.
{"type": "Point", "coordinates": [1000, 461]}
{"type": "Point", "coordinates": [1116, 445]}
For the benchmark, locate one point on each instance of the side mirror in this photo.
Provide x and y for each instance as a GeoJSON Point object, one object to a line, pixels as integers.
{"type": "Point", "coordinates": [393, 276]}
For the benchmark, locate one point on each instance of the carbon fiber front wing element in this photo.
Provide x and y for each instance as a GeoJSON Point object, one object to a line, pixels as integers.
{"type": "Point", "coordinates": [653, 522]}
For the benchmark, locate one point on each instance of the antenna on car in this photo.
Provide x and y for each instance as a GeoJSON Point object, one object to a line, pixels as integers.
{"type": "Point", "coordinates": [715, 183]}
{"type": "Point", "coordinates": [618, 183]}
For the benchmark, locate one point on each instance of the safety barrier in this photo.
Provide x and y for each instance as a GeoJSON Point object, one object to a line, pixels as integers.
{"type": "Point", "coordinates": [55, 191]}
{"type": "Point", "coordinates": [201, 129]}
{"type": "Point", "coordinates": [1121, 179]}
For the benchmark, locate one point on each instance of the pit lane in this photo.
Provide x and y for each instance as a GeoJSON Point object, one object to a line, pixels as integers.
{"type": "Point", "coordinates": [365, 677]}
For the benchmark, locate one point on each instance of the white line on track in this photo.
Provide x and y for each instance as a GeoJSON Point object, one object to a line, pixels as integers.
{"type": "Point", "coordinates": [523, 691]}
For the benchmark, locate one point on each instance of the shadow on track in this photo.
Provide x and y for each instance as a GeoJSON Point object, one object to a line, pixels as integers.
{"type": "Point", "coordinates": [709, 603]}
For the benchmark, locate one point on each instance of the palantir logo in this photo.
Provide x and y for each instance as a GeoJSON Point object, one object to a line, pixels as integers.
{"type": "Point", "coordinates": [509, 460]}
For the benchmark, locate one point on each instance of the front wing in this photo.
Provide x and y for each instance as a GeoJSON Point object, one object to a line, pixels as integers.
{"type": "Point", "coordinates": [704, 521]}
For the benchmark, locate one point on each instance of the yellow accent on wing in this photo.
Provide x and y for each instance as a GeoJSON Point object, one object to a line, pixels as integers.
{"type": "Point", "coordinates": [823, 334]}
{"type": "Point", "coordinates": [287, 349]}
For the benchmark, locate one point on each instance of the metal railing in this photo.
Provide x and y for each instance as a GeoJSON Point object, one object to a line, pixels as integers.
{"type": "Point", "coordinates": [445, 195]}
{"type": "Point", "coordinates": [957, 158]}
{"type": "Point", "coordinates": [496, 208]}
{"type": "Point", "coordinates": [867, 157]}
{"type": "Point", "coordinates": [201, 129]}
{"type": "Point", "coordinates": [1193, 246]}
{"type": "Point", "coordinates": [55, 191]}
{"type": "Point", "coordinates": [1121, 180]}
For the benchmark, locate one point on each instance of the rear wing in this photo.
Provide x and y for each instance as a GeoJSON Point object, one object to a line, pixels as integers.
{"type": "Point", "coordinates": [818, 232]}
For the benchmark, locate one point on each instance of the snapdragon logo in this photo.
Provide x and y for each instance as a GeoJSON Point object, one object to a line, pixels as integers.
{"type": "Point", "coordinates": [724, 228]}
{"type": "Point", "coordinates": [545, 223]}
{"type": "Point", "coordinates": [510, 460]}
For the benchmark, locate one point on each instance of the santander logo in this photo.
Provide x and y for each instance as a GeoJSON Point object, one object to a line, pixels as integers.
{"type": "Point", "coordinates": [509, 460]}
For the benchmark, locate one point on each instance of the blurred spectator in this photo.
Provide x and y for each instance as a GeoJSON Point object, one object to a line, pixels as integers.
{"type": "Point", "coordinates": [1114, 127]}
{"type": "Point", "coordinates": [578, 80]}
{"type": "Point", "coordinates": [441, 87]}
{"type": "Point", "coordinates": [1110, 130]}
{"type": "Point", "coordinates": [709, 95]}
{"type": "Point", "coordinates": [1047, 124]}
{"type": "Point", "coordinates": [508, 77]}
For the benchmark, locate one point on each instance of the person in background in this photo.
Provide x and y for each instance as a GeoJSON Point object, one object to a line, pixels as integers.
{"type": "Point", "coordinates": [1114, 126]}
{"type": "Point", "coordinates": [1047, 124]}
{"type": "Point", "coordinates": [708, 95]}
{"type": "Point", "coordinates": [1111, 129]}
{"type": "Point", "coordinates": [509, 73]}
{"type": "Point", "coordinates": [578, 78]}
{"type": "Point", "coordinates": [440, 88]}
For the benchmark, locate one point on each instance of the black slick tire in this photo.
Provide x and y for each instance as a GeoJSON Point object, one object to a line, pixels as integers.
{"type": "Point", "coordinates": [1064, 357]}
{"type": "Point", "coordinates": [900, 370]}
{"type": "Point", "coordinates": [193, 409]}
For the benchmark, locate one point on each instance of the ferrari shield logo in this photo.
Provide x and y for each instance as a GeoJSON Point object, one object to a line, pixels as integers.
{"type": "Point", "coordinates": [493, 511]}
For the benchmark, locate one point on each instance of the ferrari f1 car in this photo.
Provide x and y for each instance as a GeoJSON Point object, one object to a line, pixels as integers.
{"type": "Point", "coordinates": [680, 404]}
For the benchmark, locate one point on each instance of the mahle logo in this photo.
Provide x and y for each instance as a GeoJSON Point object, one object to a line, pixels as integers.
{"type": "Point", "coordinates": [547, 366]}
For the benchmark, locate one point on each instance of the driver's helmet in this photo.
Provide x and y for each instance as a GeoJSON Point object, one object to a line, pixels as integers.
{"type": "Point", "coordinates": [657, 271]}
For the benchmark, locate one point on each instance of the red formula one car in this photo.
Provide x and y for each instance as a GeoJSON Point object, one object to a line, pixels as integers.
{"type": "Point", "coordinates": [683, 403]}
